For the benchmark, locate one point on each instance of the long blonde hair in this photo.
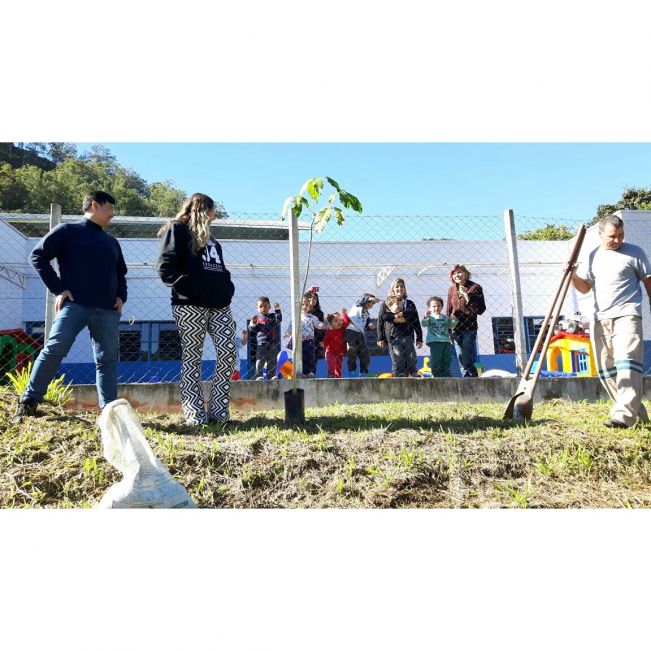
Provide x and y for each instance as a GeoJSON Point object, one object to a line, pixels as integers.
{"type": "Point", "coordinates": [392, 293]}
{"type": "Point", "coordinates": [194, 213]}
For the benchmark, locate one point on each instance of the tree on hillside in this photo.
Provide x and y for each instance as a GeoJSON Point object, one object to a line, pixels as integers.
{"type": "Point", "coordinates": [37, 187]}
{"type": "Point", "coordinates": [164, 199]}
{"type": "Point", "coordinates": [548, 232]}
{"type": "Point", "coordinates": [19, 156]}
{"type": "Point", "coordinates": [59, 151]}
{"type": "Point", "coordinates": [32, 189]}
{"type": "Point", "coordinates": [12, 192]}
{"type": "Point", "coordinates": [38, 148]}
{"type": "Point", "coordinates": [131, 189]}
{"type": "Point", "coordinates": [71, 180]}
{"type": "Point", "coordinates": [631, 199]}
{"type": "Point", "coordinates": [101, 156]}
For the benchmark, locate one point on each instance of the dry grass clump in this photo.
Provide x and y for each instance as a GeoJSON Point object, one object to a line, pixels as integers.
{"type": "Point", "coordinates": [361, 456]}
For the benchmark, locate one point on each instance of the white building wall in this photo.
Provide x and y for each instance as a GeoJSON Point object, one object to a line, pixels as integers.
{"type": "Point", "coordinates": [13, 257]}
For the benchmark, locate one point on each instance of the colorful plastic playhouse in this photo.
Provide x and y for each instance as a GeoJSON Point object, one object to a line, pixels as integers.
{"type": "Point", "coordinates": [575, 352]}
{"type": "Point", "coordinates": [17, 350]}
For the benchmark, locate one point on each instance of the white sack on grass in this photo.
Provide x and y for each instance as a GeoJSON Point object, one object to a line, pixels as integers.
{"type": "Point", "coordinates": [147, 483]}
{"type": "Point", "coordinates": [496, 372]}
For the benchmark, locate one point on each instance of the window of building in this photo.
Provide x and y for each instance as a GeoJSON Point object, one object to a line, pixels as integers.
{"type": "Point", "coordinates": [149, 341]}
{"type": "Point", "coordinates": [169, 342]}
{"type": "Point", "coordinates": [503, 334]}
{"type": "Point", "coordinates": [532, 325]}
{"type": "Point", "coordinates": [130, 344]}
{"type": "Point", "coordinates": [140, 341]}
{"type": "Point", "coordinates": [36, 330]}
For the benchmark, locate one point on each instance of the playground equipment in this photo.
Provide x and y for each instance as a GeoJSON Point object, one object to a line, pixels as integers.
{"type": "Point", "coordinates": [17, 351]}
{"type": "Point", "coordinates": [426, 370]}
{"type": "Point", "coordinates": [287, 370]}
{"type": "Point", "coordinates": [284, 365]}
{"type": "Point", "coordinates": [575, 353]}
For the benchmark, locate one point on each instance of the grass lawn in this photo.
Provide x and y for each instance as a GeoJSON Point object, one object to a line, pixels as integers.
{"type": "Point", "coordinates": [407, 455]}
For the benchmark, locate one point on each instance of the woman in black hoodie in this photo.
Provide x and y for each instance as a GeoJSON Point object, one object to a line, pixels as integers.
{"type": "Point", "coordinates": [190, 262]}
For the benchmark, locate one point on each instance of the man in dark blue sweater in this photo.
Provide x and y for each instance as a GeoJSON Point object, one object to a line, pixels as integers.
{"type": "Point", "coordinates": [90, 291]}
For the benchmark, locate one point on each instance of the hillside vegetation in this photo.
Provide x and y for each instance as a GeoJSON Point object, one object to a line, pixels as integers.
{"type": "Point", "coordinates": [347, 456]}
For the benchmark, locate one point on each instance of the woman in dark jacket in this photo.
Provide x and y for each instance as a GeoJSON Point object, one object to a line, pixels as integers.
{"type": "Point", "coordinates": [465, 302]}
{"type": "Point", "coordinates": [315, 309]}
{"type": "Point", "coordinates": [190, 262]}
{"type": "Point", "coordinates": [397, 324]}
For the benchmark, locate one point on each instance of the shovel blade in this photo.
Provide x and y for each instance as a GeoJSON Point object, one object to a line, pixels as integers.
{"type": "Point", "coordinates": [520, 406]}
{"type": "Point", "coordinates": [508, 412]}
{"type": "Point", "coordinates": [523, 408]}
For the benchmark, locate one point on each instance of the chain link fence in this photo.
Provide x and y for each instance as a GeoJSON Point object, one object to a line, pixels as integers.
{"type": "Point", "coordinates": [363, 256]}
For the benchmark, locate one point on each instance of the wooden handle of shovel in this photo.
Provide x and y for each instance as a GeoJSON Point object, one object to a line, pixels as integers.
{"type": "Point", "coordinates": [567, 272]}
{"type": "Point", "coordinates": [567, 279]}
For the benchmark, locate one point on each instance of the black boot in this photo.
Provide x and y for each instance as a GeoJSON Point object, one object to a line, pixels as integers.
{"type": "Point", "coordinates": [26, 408]}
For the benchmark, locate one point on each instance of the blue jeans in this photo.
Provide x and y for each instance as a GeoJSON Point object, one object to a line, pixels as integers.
{"type": "Point", "coordinates": [69, 322]}
{"type": "Point", "coordinates": [465, 345]}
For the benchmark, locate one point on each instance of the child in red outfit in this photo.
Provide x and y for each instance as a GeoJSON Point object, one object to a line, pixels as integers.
{"type": "Point", "coordinates": [334, 343]}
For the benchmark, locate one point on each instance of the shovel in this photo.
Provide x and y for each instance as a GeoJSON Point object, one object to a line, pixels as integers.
{"type": "Point", "coordinates": [520, 406]}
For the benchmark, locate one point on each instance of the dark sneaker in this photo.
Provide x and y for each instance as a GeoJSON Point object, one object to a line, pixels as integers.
{"type": "Point", "coordinates": [27, 408]}
{"type": "Point", "coordinates": [611, 422]}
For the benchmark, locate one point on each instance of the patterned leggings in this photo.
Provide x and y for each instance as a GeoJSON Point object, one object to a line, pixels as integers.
{"type": "Point", "coordinates": [193, 323]}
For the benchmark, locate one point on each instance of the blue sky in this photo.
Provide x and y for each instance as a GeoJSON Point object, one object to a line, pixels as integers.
{"type": "Point", "coordinates": [545, 180]}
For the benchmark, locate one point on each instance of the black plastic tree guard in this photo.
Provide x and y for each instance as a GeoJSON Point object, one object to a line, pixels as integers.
{"type": "Point", "coordinates": [294, 407]}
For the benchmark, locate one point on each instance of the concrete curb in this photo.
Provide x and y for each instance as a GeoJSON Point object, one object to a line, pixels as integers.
{"type": "Point", "coordinates": [164, 397]}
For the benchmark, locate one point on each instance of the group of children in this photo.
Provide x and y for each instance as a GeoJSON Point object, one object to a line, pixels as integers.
{"type": "Point", "coordinates": [340, 334]}
{"type": "Point", "coordinates": [398, 325]}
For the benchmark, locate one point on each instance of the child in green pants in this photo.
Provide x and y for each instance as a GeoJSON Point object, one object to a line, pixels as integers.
{"type": "Point", "coordinates": [438, 337]}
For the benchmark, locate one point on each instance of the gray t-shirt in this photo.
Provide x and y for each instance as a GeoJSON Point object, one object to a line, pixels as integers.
{"type": "Point", "coordinates": [615, 276]}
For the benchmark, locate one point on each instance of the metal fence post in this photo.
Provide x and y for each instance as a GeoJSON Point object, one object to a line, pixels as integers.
{"type": "Point", "coordinates": [295, 297]}
{"type": "Point", "coordinates": [516, 293]}
{"type": "Point", "coordinates": [55, 219]}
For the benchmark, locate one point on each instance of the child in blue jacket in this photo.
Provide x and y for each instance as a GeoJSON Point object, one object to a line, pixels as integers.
{"type": "Point", "coordinates": [265, 326]}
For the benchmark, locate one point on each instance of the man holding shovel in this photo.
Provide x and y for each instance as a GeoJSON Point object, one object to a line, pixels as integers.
{"type": "Point", "coordinates": [614, 272]}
